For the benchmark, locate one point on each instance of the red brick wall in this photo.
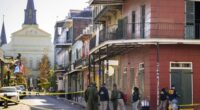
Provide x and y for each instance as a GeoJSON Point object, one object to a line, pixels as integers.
{"type": "Point", "coordinates": [148, 54]}
{"type": "Point", "coordinates": [165, 18]}
{"type": "Point", "coordinates": [132, 59]}
{"type": "Point", "coordinates": [170, 16]}
{"type": "Point", "coordinates": [179, 53]}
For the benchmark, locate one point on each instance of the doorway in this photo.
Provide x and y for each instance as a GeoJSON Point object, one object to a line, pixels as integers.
{"type": "Point", "coordinates": [181, 78]}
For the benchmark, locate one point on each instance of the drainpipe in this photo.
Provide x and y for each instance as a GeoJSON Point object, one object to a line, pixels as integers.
{"type": "Point", "coordinates": [158, 71]}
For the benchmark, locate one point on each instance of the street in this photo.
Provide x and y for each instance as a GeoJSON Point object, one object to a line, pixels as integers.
{"type": "Point", "coordinates": [42, 103]}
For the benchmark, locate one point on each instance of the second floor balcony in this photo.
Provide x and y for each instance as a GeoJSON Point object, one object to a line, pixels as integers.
{"type": "Point", "coordinates": [78, 63]}
{"type": "Point", "coordinates": [105, 2]}
{"type": "Point", "coordinates": [147, 31]}
{"type": "Point", "coordinates": [102, 13]}
{"type": "Point", "coordinates": [62, 42]}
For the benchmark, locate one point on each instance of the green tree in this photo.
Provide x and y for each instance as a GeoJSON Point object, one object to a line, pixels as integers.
{"type": "Point", "coordinates": [44, 68]}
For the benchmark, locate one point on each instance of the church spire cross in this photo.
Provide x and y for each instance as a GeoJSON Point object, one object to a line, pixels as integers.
{"type": "Point", "coordinates": [30, 14]}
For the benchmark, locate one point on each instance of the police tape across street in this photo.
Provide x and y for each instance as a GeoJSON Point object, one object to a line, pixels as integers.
{"type": "Point", "coordinates": [63, 93]}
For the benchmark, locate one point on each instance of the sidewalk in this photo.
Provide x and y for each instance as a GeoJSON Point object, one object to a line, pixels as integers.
{"type": "Point", "coordinates": [81, 102]}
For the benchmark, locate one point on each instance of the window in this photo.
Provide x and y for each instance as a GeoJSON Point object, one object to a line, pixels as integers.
{"type": "Point", "coordinates": [141, 78]}
{"type": "Point", "coordinates": [181, 65]}
{"type": "Point", "coordinates": [133, 24]}
{"type": "Point", "coordinates": [142, 25]}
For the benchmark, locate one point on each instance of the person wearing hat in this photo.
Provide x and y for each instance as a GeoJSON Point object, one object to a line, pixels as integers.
{"type": "Point", "coordinates": [172, 96]}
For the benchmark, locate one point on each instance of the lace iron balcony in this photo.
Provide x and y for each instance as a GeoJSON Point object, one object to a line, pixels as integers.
{"type": "Point", "coordinates": [106, 2]}
{"type": "Point", "coordinates": [63, 43]}
{"type": "Point", "coordinates": [132, 31]}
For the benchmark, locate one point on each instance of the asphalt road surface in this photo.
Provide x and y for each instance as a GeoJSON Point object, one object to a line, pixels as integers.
{"type": "Point", "coordinates": [42, 103]}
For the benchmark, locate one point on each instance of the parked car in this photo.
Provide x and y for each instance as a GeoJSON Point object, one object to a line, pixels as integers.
{"type": "Point", "coordinates": [11, 93]}
{"type": "Point", "coordinates": [22, 91]}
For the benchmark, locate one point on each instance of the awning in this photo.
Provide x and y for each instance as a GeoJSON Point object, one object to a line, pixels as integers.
{"type": "Point", "coordinates": [116, 47]}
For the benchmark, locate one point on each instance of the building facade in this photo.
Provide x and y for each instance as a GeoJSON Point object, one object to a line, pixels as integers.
{"type": "Point", "coordinates": [69, 53]}
{"type": "Point", "coordinates": [149, 39]}
{"type": "Point", "coordinates": [31, 42]}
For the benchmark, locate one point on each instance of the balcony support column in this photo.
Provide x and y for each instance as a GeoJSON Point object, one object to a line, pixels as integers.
{"type": "Point", "coordinates": [100, 72]}
{"type": "Point", "coordinates": [107, 59]}
{"type": "Point", "coordinates": [89, 67]}
{"type": "Point", "coordinates": [94, 70]}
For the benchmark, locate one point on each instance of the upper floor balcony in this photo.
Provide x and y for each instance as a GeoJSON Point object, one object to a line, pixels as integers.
{"type": "Point", "coordinates": [60, 68]}
{"type": "Point", "coordinates": [103, 13]}
{"type": "Point", "coordinates": [106, 2]}
{"type": "Point", "coordinates": [78, 63]}
{"type": "Point", "coordinates": [130, 31]}
{"type": "Point", "coordinates": [62, 42]}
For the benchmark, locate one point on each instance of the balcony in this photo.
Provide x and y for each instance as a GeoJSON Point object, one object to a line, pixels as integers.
{"type": "Point", "coordinates": [86, 61]}
{"type": "Point", "coordinates": [63, 43]}
{"type": "Point", "coordinates": [147, 31]}
{"type": "Point", "coordinates": [103, 13]}
{"type": "Point", "coordinates": [60, 68]}
{"type": "Point", "coordinates": [92, 43]}
{"type": "Point", "coordinates": [106, 2]}
{"type": "Point", "coordinates": [78, 63]}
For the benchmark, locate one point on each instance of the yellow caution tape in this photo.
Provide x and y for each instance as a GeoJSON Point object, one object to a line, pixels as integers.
{"type": "Point", "coordinates": [51, 93]}
{"type": "Point", "coordinates": [186, 105]}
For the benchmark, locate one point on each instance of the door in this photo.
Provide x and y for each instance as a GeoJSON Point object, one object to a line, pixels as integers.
{"type": "Point", "coordinates": [182, 80]}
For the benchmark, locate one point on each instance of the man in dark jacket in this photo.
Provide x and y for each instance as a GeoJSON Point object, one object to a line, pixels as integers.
{"type": "Point", "coordinates": [163, 99]}
{"type": "Point", "coordinates": [104, 97]}
{"type": "Point", "coordinates": [92, 100]}
{"type": "Point", "coordinates": [135, 98]}
{"type": "Point", "coordinates": [172, 95]}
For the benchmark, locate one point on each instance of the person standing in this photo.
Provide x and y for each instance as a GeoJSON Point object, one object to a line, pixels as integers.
{"type": "Point", "coordinates": [117, 99]}
{"type": "Point", "coordinates": [135, 98]}
{"type": "Point", "coordinates": [93, 100]}
{"type": "Point", "coordinates": [104, 97]}
{"type": "Point", "coordinates": [172, 95]}
{"type": "Point", "coordinates": [163, 99]}
{"type": "Point", "coordinates": [114, 97]}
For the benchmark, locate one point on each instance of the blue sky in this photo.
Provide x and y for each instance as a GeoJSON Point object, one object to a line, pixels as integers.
{"type": "Point", "coordinates": [48, 12]}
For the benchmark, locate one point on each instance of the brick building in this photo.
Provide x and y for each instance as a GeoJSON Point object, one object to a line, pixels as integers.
{"type": "Point", "coordinates": [156, 44]}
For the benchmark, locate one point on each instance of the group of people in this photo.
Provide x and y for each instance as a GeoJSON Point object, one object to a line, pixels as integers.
{"type": "Point", "coordinates": [168, 99]}
{"type": "Point", "coordinates": [99, 100]}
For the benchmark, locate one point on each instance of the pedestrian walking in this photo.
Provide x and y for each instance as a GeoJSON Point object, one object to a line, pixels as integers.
{"type": "Point", "coordinates": [135, 98]}
{"type": "Point", "coordinates": [172, 95]}
{"type": "Point", "coordinates": [163, 99]}
{"type": "Point", "coordinates": [93, 101]}
{"type": "Point", "coordinates": [117, 99]}
{"type": "Point", "coordinates": [104, 97]}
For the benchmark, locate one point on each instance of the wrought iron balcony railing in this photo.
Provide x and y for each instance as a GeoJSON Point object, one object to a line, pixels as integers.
{"type": "Point", "coordinates": [63, 42]}
{"type": "Point", "coordinates": [78, 63]}
{"type": "Point", "coordinates": [148, 30]}
{"type": "Point", "coordinates": [106, 2]}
